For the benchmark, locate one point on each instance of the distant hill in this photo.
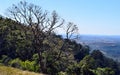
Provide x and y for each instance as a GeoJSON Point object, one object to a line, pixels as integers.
{"type": "Point", "coordinates": [109, 45]}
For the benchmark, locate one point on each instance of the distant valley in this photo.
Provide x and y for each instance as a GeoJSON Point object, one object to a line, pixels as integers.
{"type": "Point", "coordinates": [108, 45]}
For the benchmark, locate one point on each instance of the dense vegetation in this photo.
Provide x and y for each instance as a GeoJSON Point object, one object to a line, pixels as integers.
{"type": "Point", "coordinates": [59, 56]}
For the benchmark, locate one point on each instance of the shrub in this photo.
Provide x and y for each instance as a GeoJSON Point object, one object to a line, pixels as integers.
{"type": "Point", "coordinates": [30, 65]}
{"type": "Point", "coordinates": [5, 60]}
{"type": "Point", "coordinates": [62, 73]}
{"type": "Point", "coordinates": [16, 63]}
{"type": "Point", "coordinates": [25, 65]}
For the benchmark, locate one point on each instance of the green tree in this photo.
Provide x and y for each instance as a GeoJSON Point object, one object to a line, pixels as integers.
{"type": "Point", "coordinates": [88, 62]}
{"type": "Point", "coordinates": [104, 71]}
{"type": "Point", "coordinates": [13, 41]}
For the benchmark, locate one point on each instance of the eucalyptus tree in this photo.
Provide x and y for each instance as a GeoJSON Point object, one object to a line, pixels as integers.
{"type": "Point", "coordinates": [39, 22]}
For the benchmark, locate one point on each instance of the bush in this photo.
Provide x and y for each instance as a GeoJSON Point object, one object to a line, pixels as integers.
{"type": "Point", "coordinates": [5, 60]}
{"type": "Point", "coordinates": [104, 71]}
{"type": "Point", "coordinates": [73, 69]}
{"type": "Point", "coordinates": [30, 65]}
{"type": "Point", "coordinates": [16, 63]}
{"type": "Point", "coordinates": [25, 65]}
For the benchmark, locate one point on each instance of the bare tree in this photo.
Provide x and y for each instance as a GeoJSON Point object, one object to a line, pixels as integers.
{"type": "Point", "coordinates": [71, 30]}
{"type": "Point", "coordinates": [38, 22]}
{"type": "Point", "coordinates": [64, 50]}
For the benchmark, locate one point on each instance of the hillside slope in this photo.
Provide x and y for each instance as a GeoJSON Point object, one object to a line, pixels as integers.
{"type": "Point", "coordinates": [59, 56]}
{"type": "Point", "coordinates": [13, 71]}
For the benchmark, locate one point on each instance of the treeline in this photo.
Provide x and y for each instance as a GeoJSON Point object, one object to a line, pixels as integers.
{"type": "Point", "coordinates": [34, 46]}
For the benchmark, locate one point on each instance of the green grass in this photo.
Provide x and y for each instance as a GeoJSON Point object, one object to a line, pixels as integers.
{"type": "Point", "coordinates": [13, 71]}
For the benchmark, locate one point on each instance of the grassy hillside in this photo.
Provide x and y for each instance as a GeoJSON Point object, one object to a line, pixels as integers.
{"type": "Point", "coordinates": [13, 71]}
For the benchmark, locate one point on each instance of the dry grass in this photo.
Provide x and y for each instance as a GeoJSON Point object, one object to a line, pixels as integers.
{"type": "Point", "coordinates": [13, 71]}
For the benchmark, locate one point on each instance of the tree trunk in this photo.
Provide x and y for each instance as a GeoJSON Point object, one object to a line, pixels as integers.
{"type": "Point", "coordinates": [38, 46]}
{"type": "Point", "coordinates": [43, 68]}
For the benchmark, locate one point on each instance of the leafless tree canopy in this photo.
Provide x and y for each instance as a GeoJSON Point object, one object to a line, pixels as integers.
{"type": "Point", "coordinates": [71, 29]}
{"type": "Point", "coordinates": [34, 16]}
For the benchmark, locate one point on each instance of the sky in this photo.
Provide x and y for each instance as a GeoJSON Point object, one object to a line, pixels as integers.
{"type": "Point", "coordinates": [101, 17]}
